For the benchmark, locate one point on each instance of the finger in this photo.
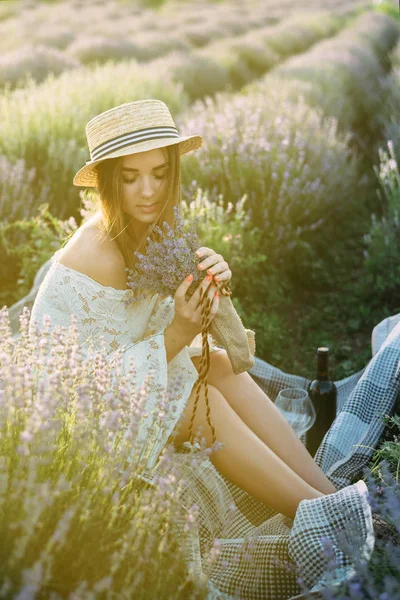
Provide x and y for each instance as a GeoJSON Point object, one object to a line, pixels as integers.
{"type": "Point", "coordinates": [179, 296]}
{"type": "Point", "coordinates": [195, 299]}
{"type": "Point", "coordinates": [218, 268]}
{"type": "Point", "coordinates": [208, 298]}
{"type": "Point", "coordinates": [214, 306]}
{"type": "Point", "coordinates": [210, 292]}
{"type": "Point", "coordinates": [211, 260]}
{"type": "Point", "coordinates": [203, 252]}
{"type": "Point", "coordinates": [223, 277]}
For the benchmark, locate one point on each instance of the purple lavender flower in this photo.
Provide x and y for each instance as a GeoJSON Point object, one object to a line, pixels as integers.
{"type": "Point", "coordinates": [166, 263]}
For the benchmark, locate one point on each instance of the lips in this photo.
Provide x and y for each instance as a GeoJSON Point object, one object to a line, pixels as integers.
{"type": "Point", "coordinates": [147, 205]}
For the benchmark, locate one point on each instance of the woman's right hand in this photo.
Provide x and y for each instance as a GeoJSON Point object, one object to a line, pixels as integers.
{"type": "Point", "coordinates": [188, 319]}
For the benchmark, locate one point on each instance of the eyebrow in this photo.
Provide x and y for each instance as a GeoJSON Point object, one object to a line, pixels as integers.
{"type": "Point", "coordinates": [154, 168]}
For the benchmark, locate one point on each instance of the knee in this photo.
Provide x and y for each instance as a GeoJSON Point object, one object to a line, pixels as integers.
{"type": "Point", "coordinates": [220, 366]}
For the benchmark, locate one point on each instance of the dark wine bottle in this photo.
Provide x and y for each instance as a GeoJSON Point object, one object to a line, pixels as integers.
{"type": "Point", "coordinates": [323, 395]}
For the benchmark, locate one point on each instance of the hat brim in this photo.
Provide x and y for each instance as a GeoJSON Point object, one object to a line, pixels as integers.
{"type": "Point", "coordinates": [87, 176]}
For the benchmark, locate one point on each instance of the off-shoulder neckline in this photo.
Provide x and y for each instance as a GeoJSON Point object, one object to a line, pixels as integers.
{"type": "Point", "coordinates": [55, 262]}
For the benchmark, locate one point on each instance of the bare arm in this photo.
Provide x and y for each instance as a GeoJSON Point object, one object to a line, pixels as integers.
{"type": "Point", "coordinates": [175, 340]}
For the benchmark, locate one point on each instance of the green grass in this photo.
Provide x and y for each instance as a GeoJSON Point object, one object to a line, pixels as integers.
{"type": "Point", "coordinates": [340, 316]}
{"type": "Point", "coordinates": [390, 8]}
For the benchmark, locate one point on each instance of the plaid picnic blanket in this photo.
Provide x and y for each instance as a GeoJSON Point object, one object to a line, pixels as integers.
{"type": "Point", "coordinates": [261, 552]}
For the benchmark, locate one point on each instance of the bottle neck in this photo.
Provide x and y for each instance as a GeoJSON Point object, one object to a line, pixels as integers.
{"type": "Point", "coordinates": [322, 367]}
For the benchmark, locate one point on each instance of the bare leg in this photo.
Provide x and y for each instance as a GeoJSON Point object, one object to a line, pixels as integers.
{"type": "Point", "coordinates": [245, 460]}
{"type": "Point", "coordinates": [261, 415]}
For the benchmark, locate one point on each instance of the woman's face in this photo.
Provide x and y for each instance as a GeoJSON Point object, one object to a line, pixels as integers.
{"type": "Point", "coordinates": [144, 183]}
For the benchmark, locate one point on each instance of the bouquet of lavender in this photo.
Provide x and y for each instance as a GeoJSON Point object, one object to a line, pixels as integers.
{"type": "Point", "coordinates": [162, 269]}
{"type": "Point", "coordinates": [167, 262]}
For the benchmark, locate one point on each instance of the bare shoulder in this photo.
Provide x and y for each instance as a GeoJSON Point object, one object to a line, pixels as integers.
{"type": "Point", "coordinates": [93, 254]}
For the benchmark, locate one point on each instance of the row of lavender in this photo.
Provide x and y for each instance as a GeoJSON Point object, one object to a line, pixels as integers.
{"type": "Point", "coordinates": [231, 43]}
{"type": "Point", "coordinates": [44, 39]}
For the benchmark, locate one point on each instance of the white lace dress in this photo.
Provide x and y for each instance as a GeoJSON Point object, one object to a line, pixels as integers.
{"type": "Point", "coordinates": [136, 329]}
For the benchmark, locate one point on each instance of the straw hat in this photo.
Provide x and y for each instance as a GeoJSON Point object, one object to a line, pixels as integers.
{"type": "Point", "coordinates": [129, 128]}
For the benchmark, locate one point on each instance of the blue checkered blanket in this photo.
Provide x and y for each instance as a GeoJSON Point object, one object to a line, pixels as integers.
{"type": "Point", "coordinates": [363, 398]}
{"type": "Point", "coordinates": [276, 541]}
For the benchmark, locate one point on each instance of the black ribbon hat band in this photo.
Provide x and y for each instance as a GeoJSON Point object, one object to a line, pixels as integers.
{"type": "Point", "coordinates": [131, 138]}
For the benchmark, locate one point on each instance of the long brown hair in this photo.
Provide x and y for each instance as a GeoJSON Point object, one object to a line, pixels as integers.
{"type": "Point", "coordinates": [116, 221]}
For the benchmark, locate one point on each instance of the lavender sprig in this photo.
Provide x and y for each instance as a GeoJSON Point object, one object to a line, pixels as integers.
{"type": "Point", "coordinates": [168, 262]}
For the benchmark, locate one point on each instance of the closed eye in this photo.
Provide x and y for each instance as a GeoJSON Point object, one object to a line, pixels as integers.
{"type": "Point", "coordinates": [135, 178]}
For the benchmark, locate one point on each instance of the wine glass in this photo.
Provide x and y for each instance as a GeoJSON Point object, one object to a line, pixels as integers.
{"type": "Point", "coordinates": [297, 408]}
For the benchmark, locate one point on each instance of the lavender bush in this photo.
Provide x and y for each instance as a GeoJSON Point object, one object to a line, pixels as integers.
{"type": "Point", "coordinates": [251, 54]}
{"type": "Point", "coordinates": [242, 60]}
{"type": "Point", "coordinates": [198, 35]}
{"type": "Point", "coordinates": [198, 73]}
{"type": "Point", "coordinates": [17, 202]}
{"type": "Point", "coordinates": [17, 199]}
{"type": "Point", "coordinates": [56, 34]}
{"type": "Point", "coordinates": [7, 10]}
{"type": "Point", "coordinates": [297, 33]}
{"type": "Point", "coordinates": [256, 55]}
{"type": "Point", "coordinates": [28, 244]}
{"type": "Point", "coordinates": [152, 45]}
{"type": "Point", "coordinates": [235, 24]}
{"type": "Point", "coordinates": [395, 56]}
{"type": "Point", "coordinates": [229, 231]}
{"type": "Point", "coordinates": [70, 488]}
{"type": "Point", "coordinates": [143, 47]}
{"type": "Point", "coordinates": [389, 115]}
{"type": "Point", "coordinates": [354, 61]}
{"type": "Point", "coordinates": [36, 61]}
{"type": "Point", "coordinates": [381, 32]}
{"type": "Point", "coordinates": [302, 182]}
{"type": "Point", "coordinates": [382, 242]}
{"type": "Point", "coordinates": [101, 49]}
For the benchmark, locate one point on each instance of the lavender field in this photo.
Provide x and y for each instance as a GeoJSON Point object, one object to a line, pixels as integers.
{"type": "Point", "coordinates": [297, 185]}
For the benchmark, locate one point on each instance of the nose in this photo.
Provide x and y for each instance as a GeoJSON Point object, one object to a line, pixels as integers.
{"type": "Point", "coordinates": [147, 190]}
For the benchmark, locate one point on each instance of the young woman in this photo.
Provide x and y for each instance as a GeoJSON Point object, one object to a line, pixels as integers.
{"type": "Point", "coordinates": [134, 163]}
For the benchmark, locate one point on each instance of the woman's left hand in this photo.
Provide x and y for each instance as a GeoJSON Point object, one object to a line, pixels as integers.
{"type": "Point", "coordinates": [213, 264]}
